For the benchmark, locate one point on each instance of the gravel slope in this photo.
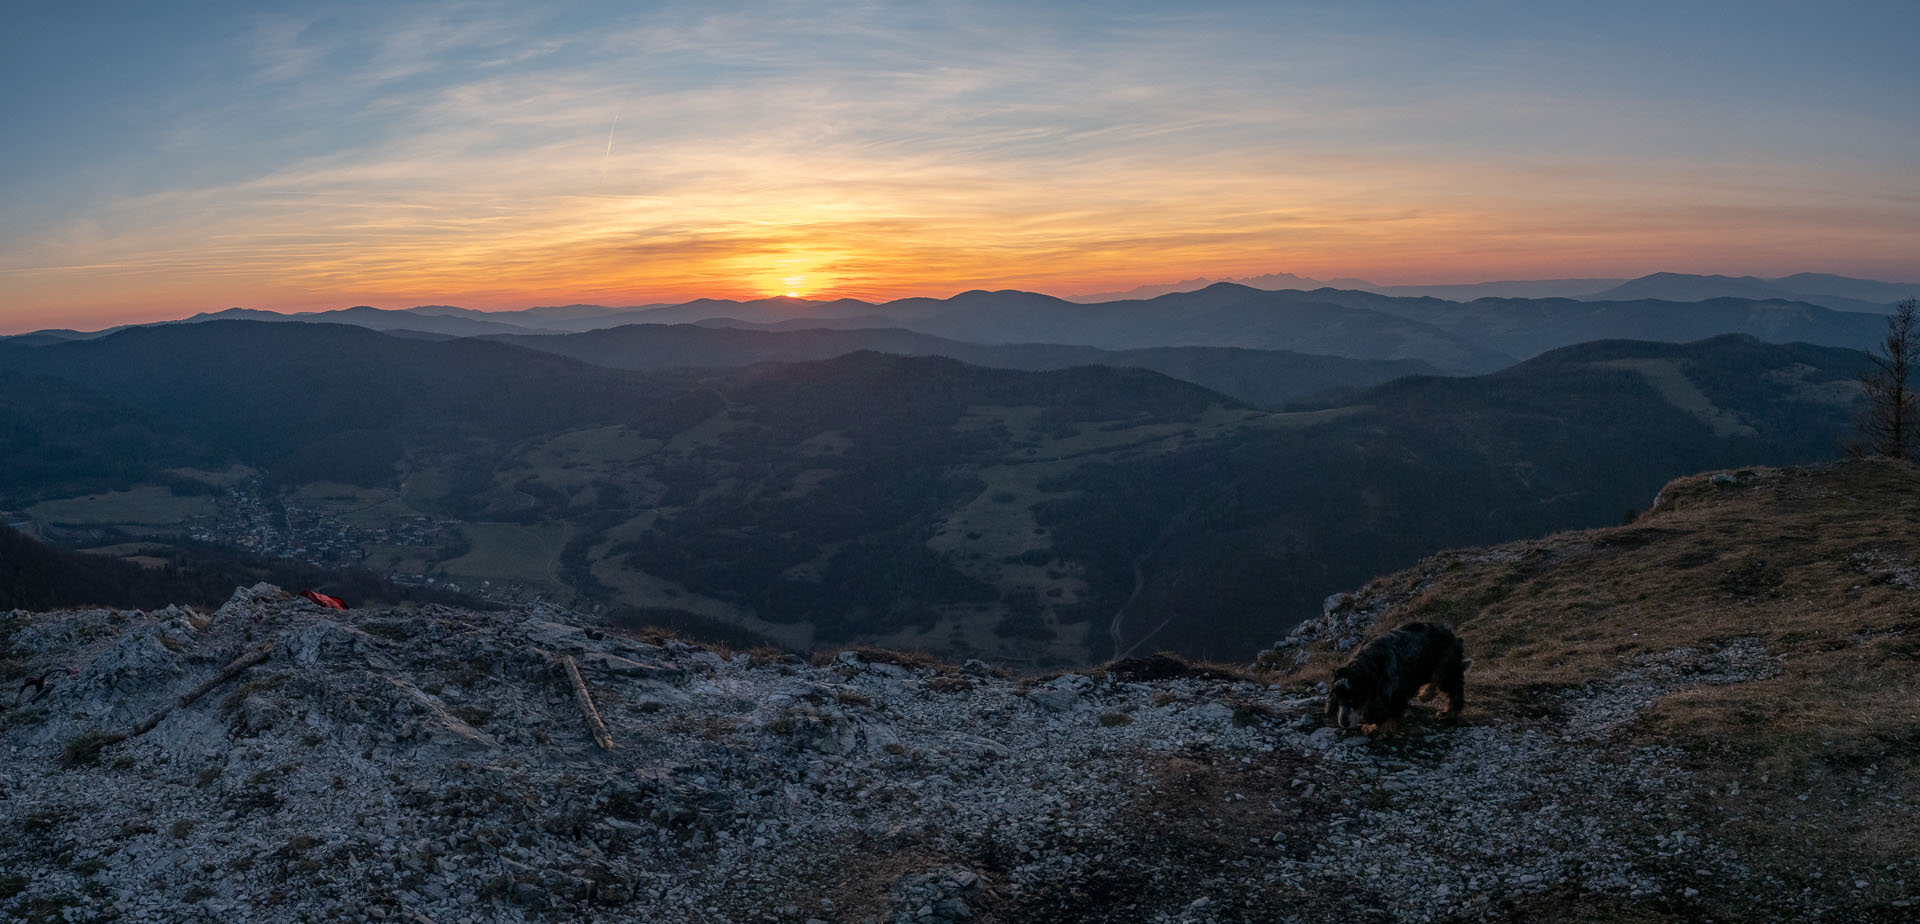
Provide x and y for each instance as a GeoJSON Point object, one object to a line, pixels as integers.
{"type": "Point", "coordinates": [432, 765]}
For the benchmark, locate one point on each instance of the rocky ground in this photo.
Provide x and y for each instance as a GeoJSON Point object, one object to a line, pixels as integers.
{"type": "Point", "coordinates": [433, 765]}
{"type": "Point", "coordinates": [283, 761]}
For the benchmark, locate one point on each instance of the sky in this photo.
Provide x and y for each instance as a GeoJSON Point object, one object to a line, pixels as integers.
{"type": "Point", "coordinates": [162, 159]}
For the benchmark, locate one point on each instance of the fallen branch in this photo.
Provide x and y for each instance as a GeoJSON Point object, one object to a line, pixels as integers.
{"type": "Point", "coordinates": [238, 667]}
{"type": "Point", "coordinates": [585, 699]}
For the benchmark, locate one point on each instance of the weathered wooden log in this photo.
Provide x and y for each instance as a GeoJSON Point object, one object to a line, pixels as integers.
{"type": "Point", "coordinates": [235, 669]}
{"type": "Point", "coordinates": [585, 700]}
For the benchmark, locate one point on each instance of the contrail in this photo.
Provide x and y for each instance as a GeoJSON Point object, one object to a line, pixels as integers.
{"type": "Point", "coordinates": [608, 156]}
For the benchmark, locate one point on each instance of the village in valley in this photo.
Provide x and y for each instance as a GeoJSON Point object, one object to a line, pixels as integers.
{"type": "Point", "coordinates": [242, 512]}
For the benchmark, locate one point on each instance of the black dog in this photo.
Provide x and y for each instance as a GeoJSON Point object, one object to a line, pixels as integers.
{"type": "Point", "coordinates": [1375, 684]}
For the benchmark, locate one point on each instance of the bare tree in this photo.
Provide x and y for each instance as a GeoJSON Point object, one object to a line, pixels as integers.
{"type": "Point", "coordinates": [1892, 416]}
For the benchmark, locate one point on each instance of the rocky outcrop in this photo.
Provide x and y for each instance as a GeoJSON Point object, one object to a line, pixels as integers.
{"type": "Point", "coordinates": [433, 764]}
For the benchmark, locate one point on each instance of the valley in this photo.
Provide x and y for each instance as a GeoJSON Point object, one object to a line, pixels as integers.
{"type": "Point", "coordinates": [1029, 518]}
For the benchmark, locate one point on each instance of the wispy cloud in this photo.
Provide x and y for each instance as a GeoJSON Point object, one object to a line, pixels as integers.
{"type": "Point", "coordinates": [281, 51]}
{"type": "Point", "coordinates": [498, 155]}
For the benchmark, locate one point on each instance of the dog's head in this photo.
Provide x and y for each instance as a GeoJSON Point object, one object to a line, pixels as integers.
{"type": "Point", "coordinates": [1352, 698]}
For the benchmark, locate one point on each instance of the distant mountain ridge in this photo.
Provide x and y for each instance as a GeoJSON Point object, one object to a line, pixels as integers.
{"type": "Point", "coordinates": [1478, 336]}
{"type": "Point", "coordinates": [1266, 281]}
{"type": "Point", "coordinates": [1220, 315]}
{"type": "Point", "coordinates": [1828, 291]}
{"type": "Point", "coordinates": [1460, 292]}
{"type": "Point", "coordinates": [1391, 324]}
{"type": "Point", "coordinates": [1824, 289]}
{"type": "Point", "coordinates": [431, 320]}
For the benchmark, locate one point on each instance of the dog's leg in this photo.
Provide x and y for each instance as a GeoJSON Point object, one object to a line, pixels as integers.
{"type": "Point", "coordinates": [1453, 682]}
{"type": "Point", "coordinates": [1428, 692]}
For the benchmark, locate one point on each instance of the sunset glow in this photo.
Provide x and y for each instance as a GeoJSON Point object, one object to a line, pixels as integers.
{"type": "Point", "coordinates": [496, 157]}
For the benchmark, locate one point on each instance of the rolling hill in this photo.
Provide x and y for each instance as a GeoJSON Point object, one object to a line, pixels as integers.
{"type": "Point", "coordinates": [58, 438]}
{"type": "Point", "coordinates": [1266, 378]}
{"type": "Point", "coordinates": [338, 401]}
{"type": "Point", "coordinates": [919, 501]}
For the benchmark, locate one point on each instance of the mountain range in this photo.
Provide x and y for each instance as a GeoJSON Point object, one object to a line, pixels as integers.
{"type": "Point", "coordinates": [1265, 378]}
{"type": "Point", "coordinates": [1459, 337]}
{"type": "Point", "coordinates": [1046, 516]}
{"type": "Point", "coordinates": [1474, 337]}
{"type": "Point", "coordinates": [1823, 289]}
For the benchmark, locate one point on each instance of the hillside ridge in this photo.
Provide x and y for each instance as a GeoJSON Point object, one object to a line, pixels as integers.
{"type": "Point", "coordinates": [1052, 517]}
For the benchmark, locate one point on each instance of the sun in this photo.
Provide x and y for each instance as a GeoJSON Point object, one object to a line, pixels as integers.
{"type": "Point", "coordinates": [795, 285]}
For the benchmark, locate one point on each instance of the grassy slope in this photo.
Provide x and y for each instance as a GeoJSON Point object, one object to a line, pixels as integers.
{"type": "Point", "coordinates": [1816, 766]}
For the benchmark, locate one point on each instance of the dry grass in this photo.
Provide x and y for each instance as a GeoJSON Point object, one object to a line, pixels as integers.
{"type": "Point", "coordinates": [764, 655]}
{"type": "Point", "coordinates": [910, 659]}
{"type": "Point", "coordinates": [1787, 557]}
{"type": "Point", "coordinates": [948, 683]}
{"type": "Point", "coordinates": [1167, 665]}
{"type": "Point", "coordinates": [84, 750]}
{"type": "Point", "coordinates": [658, 637]}
{"type": "Point", "coordinates": [1821, 565]}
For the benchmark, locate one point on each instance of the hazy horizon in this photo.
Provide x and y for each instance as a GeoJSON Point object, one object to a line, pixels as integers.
{"type": "Point", "coordinates": [1189, 284]}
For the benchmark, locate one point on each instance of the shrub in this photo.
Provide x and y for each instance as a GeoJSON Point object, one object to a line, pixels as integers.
{"type": "Point", "coordinates": [42, 821]}
{"type": "Point", "coordinates": [84, 750]}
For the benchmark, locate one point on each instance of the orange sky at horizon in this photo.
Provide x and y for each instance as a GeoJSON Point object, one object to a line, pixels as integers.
{"type": "Point", "coordinates": [503, 158]}
{"type": "Point", "coordinates": [794, 234]}
{"type": "Point", "coordinates": [786, 227]}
